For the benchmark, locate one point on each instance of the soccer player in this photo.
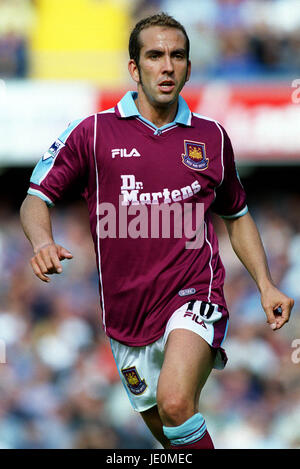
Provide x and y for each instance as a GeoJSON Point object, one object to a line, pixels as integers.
{"type": "Point", "coordinates": [162, 299]}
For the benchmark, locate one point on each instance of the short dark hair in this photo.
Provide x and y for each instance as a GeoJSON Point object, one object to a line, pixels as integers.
{"type": "Point", "coordinates": [159, 19]}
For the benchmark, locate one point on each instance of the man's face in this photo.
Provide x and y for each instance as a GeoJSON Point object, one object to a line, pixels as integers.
{"type": "Point", "coordinates": [163, 68]}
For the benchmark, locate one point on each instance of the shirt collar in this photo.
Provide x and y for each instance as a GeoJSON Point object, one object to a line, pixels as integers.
{"type": "Point", "coordinates": [127, 108]}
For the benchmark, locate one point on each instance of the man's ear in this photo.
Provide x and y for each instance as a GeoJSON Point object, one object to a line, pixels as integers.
{"type": "Point", "coordinates": [188, 71]}
{"type": "Point", "coordinates": [134, 70]}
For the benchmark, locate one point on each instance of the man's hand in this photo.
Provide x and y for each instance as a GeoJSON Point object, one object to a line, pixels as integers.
{"type": "Point", "coordinates": [277, 306]}
{"type": "Point", "coordinates": [46, 260]}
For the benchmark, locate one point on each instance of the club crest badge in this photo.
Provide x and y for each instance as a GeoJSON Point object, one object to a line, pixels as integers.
{"type": "Point", "coordinates": [195, 156]}
{"type": "Point", "coordinates": [135, 384]}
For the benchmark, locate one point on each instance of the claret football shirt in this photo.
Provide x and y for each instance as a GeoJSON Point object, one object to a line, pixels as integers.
{"type": "Point", "coordinates": [149, 193]}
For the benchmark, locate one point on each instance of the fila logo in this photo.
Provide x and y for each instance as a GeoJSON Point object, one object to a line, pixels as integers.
{"type": "Point", "coordinates": [195, 318]}
{"type": "Point", "coordinates": [122, 152]}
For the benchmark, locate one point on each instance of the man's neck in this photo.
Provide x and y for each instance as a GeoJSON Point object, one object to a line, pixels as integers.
{"type": "Point", "coordinates": [158, 115]}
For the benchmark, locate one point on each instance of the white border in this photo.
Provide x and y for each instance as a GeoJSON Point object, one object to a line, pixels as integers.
{"type": "Point", "coordinates": [98, 221]}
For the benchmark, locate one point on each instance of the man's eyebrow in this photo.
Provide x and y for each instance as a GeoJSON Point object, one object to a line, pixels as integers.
{"type": "Point", "coordinates": [153, 51]}
{"type": "Point", "coordinates": [179, 51]}
{"type": "Point", "coordinates": [159, 51]}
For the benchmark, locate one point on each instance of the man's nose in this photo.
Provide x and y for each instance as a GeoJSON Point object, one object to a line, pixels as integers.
{"type": "Point", "coordinates": [168, 66]}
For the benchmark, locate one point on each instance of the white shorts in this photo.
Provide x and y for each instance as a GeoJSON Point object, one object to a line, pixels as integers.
{"type": "Point", "coordinates": [139, 367]}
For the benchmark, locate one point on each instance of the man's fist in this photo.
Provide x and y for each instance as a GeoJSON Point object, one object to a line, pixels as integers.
{"type": "Point", "coordinates": [46, 260]}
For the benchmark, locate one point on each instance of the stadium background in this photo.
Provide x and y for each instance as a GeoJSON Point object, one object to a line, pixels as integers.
{"type": "Point", "coordinates": [60, 60]}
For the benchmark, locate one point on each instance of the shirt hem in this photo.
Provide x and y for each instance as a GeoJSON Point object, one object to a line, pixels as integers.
{"type": "Point", "coordinates": [143, 343]}
{"type": "Point", "coordinates": [240, 213]}
{"type": "Point", "coordinates": [41, 195]}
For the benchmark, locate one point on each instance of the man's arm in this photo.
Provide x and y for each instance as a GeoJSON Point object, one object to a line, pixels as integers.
{"type": "Point", "coordinates": [36, 223]}
{"type": "Point", "coordinates": [247, 245]}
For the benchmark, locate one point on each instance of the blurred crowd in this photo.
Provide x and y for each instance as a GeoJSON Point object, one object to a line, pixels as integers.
{"type": "Point", "coordinates": [59, 386]}
{"type": "Point", "coordinates": [17, 19]}
{"type": "Point", "coordinates": [236, 38]}
{"type": "Point", "coordinates": [230, 38]}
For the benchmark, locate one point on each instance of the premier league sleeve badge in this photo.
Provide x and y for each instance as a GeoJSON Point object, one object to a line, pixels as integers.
{"type": "Point", "coordinates": [53, 150]}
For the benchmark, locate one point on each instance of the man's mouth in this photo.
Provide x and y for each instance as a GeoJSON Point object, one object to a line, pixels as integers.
{"type": "Point", "coordinates": [166, 86]}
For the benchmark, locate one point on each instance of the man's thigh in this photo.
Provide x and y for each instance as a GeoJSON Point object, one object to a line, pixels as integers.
{"type": "Point", "coordinates": [180, 361]}
{"type": "Point", "coordinates": [187, 364]}
{"type": "Point", "coordinates": [140, 367]}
